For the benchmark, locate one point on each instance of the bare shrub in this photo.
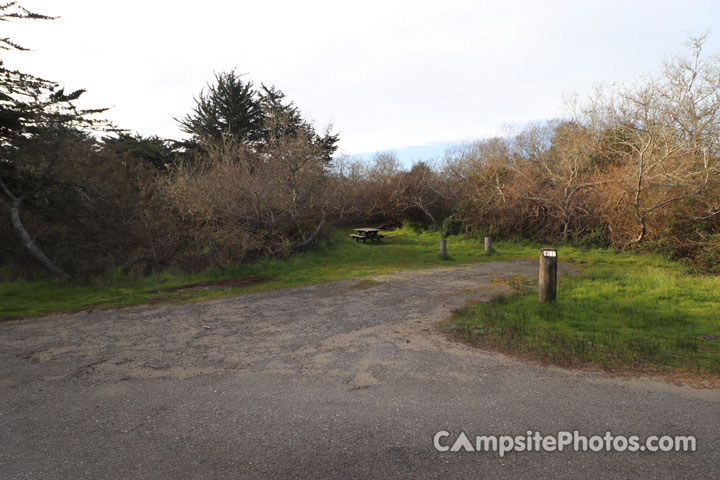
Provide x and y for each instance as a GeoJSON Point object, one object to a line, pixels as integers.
{"type": "Point", "coordinates": [239, 203]}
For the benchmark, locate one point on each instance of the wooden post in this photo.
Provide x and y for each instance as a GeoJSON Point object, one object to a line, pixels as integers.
{"type": "Point", "coordinates": [443, 248]}
{"type": "Point", "coordinates": [488, 245]}
{"type": "Point", "coordinates": [547, 282]}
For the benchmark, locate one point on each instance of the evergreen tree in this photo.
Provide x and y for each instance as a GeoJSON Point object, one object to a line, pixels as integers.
{"type": "Point", "coordinates": [34, 111]}
{"type": "Point", "coordinates": [160, 152]}
{"type": "Point", "coordinates": [228, 107]}
{"type": "Point", "coordinates": [28, 102]}
{"type": "Point", "coordinates": [255, 118]}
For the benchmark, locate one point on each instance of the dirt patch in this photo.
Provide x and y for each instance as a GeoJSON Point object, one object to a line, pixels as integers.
{"type": "Point", "coordinates": [342, 288]}
{"type": "Point", "coordinates": [229, 283]}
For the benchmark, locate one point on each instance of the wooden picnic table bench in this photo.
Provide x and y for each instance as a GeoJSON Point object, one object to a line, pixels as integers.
{"type": "Point", "coordinates": [367, 234]}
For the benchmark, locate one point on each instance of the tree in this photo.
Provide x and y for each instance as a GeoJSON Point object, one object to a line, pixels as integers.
{"type": "Point", "coordinates": [159, 152]}
{"type": "Point", "coordinates": [30, 108]}
{"type": "Point", "coordinates": [418, 196]}
{"type": "Point", "coordinates": [666, 137]}
{"type": "Point", "coordinates": [241, 202]}
{"type": "Point", "coordinates": [556, 176]}
{"type": "Point", "coordinates": [228, 107]}
{"type": "Point", "coordinates": [232, 107]}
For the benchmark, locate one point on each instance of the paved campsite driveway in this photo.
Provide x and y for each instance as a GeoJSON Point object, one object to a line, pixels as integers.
{"type": "Point", "coordinates": [344, 380]}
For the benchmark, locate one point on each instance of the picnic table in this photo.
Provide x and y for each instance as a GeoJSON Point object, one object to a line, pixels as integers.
{"type": "Point", "coordinates": [367, 234]}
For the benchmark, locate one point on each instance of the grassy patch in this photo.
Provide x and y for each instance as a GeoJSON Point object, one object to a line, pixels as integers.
{"type": "Point", "coordinates": [340, 259]}
{"type": "Point", "coordinates": [626, 311]}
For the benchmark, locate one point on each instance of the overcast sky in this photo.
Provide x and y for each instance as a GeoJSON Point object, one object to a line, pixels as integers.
{"type": "Point", "coordinates": [408, 76]}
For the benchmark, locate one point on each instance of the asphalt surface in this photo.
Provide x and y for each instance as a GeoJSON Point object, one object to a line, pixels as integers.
{"type": "Point", "coordinates": [342, 380]}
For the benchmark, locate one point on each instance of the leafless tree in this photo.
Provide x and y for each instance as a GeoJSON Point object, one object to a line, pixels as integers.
{"type": "Point", "coordinates": [666, 135]}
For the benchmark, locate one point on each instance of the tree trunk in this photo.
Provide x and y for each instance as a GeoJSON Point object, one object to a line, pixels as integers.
{"type": "Point", "coordinates": [643, 231]}
{"type": "Point", "coordinates": [30, 244]}
{"type": "Point", "coordinates": [565, 231]}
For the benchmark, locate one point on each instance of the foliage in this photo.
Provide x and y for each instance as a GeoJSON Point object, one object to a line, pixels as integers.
{"type": "Point", "coordinates": [29, 103]}
{"type": "Point", "coordinates": [234, 109]}
{"type": "Point", "coordinates": [228, 107]}
{"type": "Point", "coordinates": [91, 215]}
{"type": "Point", "coordinates": [239, 204]}
{"type": "Point", "coordinates": [163, 154]}
{"type": "Point", "coordinates": [382, 192]}
{"type": "Point", "coordinates": [632, 167]}
{"type": "Point", "coordinates": [451, 226]}
{"type": "Point", "coordinates": [36, 115]}
{"type": "Point", "coordinates": [598, 237]}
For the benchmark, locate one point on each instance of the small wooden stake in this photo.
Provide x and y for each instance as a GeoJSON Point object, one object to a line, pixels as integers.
{"type": "Point", "coordinates": [547, 282]}
{"type": "Point", "coordinates": [488, 246]}
{"type": "Point", "coordinates": [443, 248]}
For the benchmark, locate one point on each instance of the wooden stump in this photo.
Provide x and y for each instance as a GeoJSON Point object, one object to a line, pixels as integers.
{"type": "Point", "coordinates": [547, 281]}
{"type": "Point", "coordinates": [488, 246]}
{"type": "Point", "coordinates": [443, 248]}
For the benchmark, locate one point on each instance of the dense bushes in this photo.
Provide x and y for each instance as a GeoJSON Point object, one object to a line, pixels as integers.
{"type": "Point", "coordinates": [110, 209]}
{"type": "Point", "coordinates": [90, 214]}
{"type": "Point", "coordinates": [383, 193]}
{"type": "Point", "coordinates": [239, 203]}
{"type": "Point", "coordinates": [634, 167]}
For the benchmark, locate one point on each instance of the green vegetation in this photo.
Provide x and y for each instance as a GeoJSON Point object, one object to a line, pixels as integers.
{"type": "Point", "coordinates": [339, 259]}
{"type": "Point", "coordinates": [626, 311]}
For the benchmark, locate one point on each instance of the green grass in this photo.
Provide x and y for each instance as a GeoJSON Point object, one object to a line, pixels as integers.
{"type": "Point", "coordinates": [626, 311]}
{"type": "Point", "coordinates": [340, 259]}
